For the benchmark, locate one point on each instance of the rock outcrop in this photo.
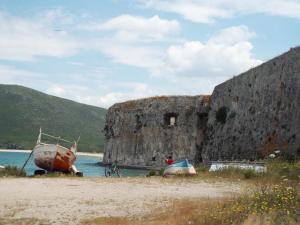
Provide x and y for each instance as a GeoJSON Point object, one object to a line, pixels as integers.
{"type": "Point", "coordinates": [247, 117]}
{"type": "Point", "coordinates": [144, 132]}
{"type": "Point", "coordinates": [257, 112]}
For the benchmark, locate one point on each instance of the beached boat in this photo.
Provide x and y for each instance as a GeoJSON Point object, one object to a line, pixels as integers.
{"type": "Point", "coordinates": [180, 167]}
{"type": "Point", "coordinates": [221, 165]}
{"type": "Point", "coordinates": [55, 157]}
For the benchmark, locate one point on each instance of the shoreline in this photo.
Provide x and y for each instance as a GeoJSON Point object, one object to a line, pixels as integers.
{"type": "Point", "coordinates": [78, 153]}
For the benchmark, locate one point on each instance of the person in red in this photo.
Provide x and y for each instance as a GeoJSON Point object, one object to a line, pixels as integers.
{"type": "Point", "coordinates": [169, 160]}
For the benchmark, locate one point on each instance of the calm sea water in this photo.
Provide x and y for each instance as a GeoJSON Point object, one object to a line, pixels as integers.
{"type": "Point", "coordinates": [86, 164]}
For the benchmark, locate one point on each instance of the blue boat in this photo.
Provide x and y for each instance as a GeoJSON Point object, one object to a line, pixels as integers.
{"type": "Point", "coordinates": [180, 167]}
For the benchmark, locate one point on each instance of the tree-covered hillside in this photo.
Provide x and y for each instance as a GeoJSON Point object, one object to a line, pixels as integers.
{"type": "Point", "coordinates": [23, 111]}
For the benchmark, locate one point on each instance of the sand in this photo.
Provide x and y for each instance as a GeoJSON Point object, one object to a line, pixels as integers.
{"type": "Point", "coordinates": [70, 200]}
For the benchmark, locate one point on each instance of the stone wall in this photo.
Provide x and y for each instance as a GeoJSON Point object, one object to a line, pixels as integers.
{"type": "Point", "coordinates": [140, 133]}
{"type": "Point", "coordinates": [257, 112]}
{"type": "Point", "coordinates": [247, 117]}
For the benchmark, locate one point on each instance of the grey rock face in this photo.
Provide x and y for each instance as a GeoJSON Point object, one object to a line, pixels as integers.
{"type": "Point", "coordinates": [247, 117]}
{"type": "Point", "coordinates": [256, 112]}
{"type": "Point", "coordinates": [144, 132]}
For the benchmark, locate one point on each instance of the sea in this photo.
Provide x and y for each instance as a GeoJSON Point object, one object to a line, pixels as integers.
{"type": "Point", "coordinates": [88, 164]}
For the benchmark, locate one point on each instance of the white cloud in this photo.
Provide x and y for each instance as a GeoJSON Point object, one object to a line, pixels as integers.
{"type": "Point", "coordinates": [25, 39]}
{"type": "Point", "coordinates": [75, 92]}
{"type": "Point", "coordinates": [207, 11]}
{"type": "Point", "coordinates": [287, 8]}
{"type": "Point", "coordinates": [133, 40]}
{"type": "Point", "coordinates": [225, 54]}
{"type": "Point", "coordinates": [135, 28]}
{"type": "Point", "coordinates": [232, 35]}
{"type": "Point", "coordinates": [134, 90]}
{"type": "Point", "coordinates": [134, 55]}
{"type": "Point", "coordinates": [84, 94]}
{"type": "Point", "coordinates": [56, 90]}
{"type": "Point", "coordinates": [190, 10]}
{"type": "Point", "coordinates": [189, 66]}
{"type": "Point", "coordinates": [63, 89]}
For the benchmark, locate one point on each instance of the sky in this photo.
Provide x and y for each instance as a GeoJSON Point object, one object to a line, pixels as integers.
{"type": "Point", "coordinates": [100, 52]}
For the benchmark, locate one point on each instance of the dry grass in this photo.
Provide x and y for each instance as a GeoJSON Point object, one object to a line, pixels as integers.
{"type": "Point", "coordinates": [190, 212]}
{"type": "Point", "coordinates": [12, 171]}
{"type": "Point", "coordinates": [178, 212]}
{"type": "Point", "coordinates": [267, 205]}
{"type": "Point", "coordinates": [276, 172]}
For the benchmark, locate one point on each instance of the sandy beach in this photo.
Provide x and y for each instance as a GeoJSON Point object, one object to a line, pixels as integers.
{"type": "Point", "coordinates": [72, 200]}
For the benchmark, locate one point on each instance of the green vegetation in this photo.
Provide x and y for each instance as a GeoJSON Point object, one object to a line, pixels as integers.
{"type": "Point", "coordinates": [230, 172]}
{"type": "Point", "coordinates": [23, 111]}
{"type": "Point", "coordinates": [276, 171]}
{"type": "Point", "coordinates": [161, 172]}
{"type": "Point", "coordinates": [156, 172]}
{"type": "Point", "coordinates": [152, 173]}
{"type": "Point", "coordinates": [11, 171]}
{"type": "Point", "coordinates": [281, 170]}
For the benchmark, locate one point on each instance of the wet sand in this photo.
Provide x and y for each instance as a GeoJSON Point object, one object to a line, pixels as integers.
{"type": "Point", "coordinates": [71, 200]}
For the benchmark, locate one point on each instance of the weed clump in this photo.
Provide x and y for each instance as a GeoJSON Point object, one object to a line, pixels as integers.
{"type": "Point", "coordinates": [13, 171]}
{"type": "Point", "coordinates": [161, 172]}
{"type": "Point", "coordinates": [151, 173]}
{"type": "Point", "coordinates": [248, 174]}
{"type": "Point", "coordinates": [279, 170]}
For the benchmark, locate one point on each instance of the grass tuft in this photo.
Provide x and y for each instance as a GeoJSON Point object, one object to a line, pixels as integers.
{"type": "Point", "coordinates": [276, 172]}
{"type": "Point", "coordinates": [14, 171]}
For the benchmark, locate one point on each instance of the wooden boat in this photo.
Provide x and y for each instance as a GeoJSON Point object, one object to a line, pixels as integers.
{"type": "Point", "coordinates": [55, 157]}
{"type": "Point", "coordinates": [180, 167]}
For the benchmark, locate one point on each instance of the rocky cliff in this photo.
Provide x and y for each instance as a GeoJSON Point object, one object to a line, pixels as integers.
{"type": "Point", "coordinates": [247, 117]}
{"type": "Point", "coordinates": [144, 132]}
{"type": "Point", "coordinates": [257, 112]}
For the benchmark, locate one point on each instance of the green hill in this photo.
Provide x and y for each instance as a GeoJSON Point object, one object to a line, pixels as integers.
{"type": "Point", "coordinates": [23, 111]}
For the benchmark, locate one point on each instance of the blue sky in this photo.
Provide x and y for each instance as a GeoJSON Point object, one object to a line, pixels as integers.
{"type": "Point", "coordinates": [103, 52]}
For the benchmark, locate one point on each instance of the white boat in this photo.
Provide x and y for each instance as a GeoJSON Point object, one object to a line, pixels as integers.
{"type": "Point", "coordinates": [180, 167]}
{"type": "Point", "coordinates": [221, 165]}
{"type": "Point", "coordinates": [55, 157]}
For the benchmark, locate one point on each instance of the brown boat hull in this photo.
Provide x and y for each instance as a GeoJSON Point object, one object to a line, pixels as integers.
{"type": "Point", "coordinates": [53, 157]}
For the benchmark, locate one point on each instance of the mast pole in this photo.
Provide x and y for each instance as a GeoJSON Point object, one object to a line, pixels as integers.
{"type": "Point", "coordinates": [37, 142]}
